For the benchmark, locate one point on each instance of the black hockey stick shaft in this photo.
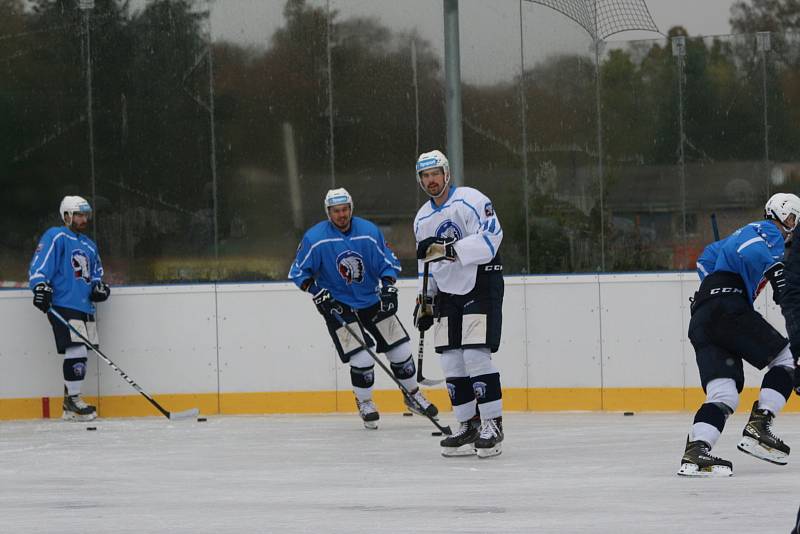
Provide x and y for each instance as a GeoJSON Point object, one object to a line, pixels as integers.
{"type": "Point", "coordinates": [122, 373]}
{"type": "Point", "coordinates": [421, 348]}
{"type": "Point", "coordinates": [714, 226]}
{"type": "Point", "coordinates": [444, 429]}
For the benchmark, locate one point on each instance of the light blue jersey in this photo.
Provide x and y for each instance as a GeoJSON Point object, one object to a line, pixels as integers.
{"type": "Point", "coordinates": [70, 263]}
{"type": "Point", "coordinates": [348, 264]}
{"type": "Point", "coordinates": [749, 252]}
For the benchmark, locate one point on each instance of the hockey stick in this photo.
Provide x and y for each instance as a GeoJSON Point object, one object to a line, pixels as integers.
{"type": "Point", "coordinates": [186, 414]}
{"type": "Point", "coordinates": [714, 226]}
{"type": "Point", "coordinates": [443, 429]}
{"type": "Point", "coordinates": [421, 349]}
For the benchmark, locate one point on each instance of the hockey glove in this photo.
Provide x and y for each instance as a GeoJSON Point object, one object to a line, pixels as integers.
{"type": "Point", "coordinates": [43, 296]}
{"type": "Point", "coordinates": [100, 292]}
{"type": "Point", "coordinates": [436, 249]}
{"type": "Point", "coordinates": [777, 279]}
{"type": "Point", "coordinates": [326, 304]}
{"type": "Point", "coordinates": [423, 313]}
{"type": "Point", "coordinates": [388, 300]}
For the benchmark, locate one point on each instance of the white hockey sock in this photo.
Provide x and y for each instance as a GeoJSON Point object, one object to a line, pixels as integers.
{"type": "Point", "coordinates": [362, 394]}
{"type": "Point", "coordinates": [705, 432]}
{"type": "Point", "coordinates": [769, 399]}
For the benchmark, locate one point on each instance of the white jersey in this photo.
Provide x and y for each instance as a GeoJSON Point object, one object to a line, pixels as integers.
{"type": "Point", "coordinates": [467, 215]}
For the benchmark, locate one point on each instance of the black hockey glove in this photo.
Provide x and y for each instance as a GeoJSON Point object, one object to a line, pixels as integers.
{"type": "Point", "coordinates": [43, 296]}
{"type": "Point", "coordinates": [100, 292]}
{"type": "Point", "coordinates": [326, 304]}
{"type": "Point", "coordinates": [423, 313]}
{"type": "Point", "coordinates": [388, 300]}
{"type": "Point", "coordinates": [777, 279]}
{"type": "Point", "coordinates": [436, 249]}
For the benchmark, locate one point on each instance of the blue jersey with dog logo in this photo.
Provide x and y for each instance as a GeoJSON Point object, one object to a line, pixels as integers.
{"type": "Point", "coordinates": [70, 263]}
{"type": "Point", "coordinates": [348, 264]}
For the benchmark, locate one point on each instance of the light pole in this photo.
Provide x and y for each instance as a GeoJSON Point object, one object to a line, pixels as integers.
{"type": "Point", "coordinates": [86, 7]}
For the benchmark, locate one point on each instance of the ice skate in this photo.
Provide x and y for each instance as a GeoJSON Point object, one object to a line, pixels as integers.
{"type": "Point", "coordinates": [697, 461]}
{"type": "Point", "coordinates": [462, 442]}
{"type": "Point", "coordinates": [429, 408]}
{"type": "Point", "coordinates": [759, 441]}
{"type": "Point", "coordinates": [369, 413]}
{"type": "Point", "coordinates": [490, 441]}
{"type": "Point", "coordinates": [76, 409]}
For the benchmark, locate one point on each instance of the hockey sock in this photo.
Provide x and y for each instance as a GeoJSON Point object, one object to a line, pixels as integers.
{"type": "Point", "coordinates": [461, 397]}
{"type": "Point", "coordinates": [709, 421]}
{"type": "Point", "coordinates": [489, 394]}
{"type": "Point", "coordinates": [776, 387]}
{"type": "Point", "coordinates": [74, 369]}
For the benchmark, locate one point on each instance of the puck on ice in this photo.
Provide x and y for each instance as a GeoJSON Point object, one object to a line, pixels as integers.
{"type": "Point", "coordinates": [201, 419]}
{"type": "Point", "coordinates": [628, 413]}
{"type": "Point", "coordinates": [436, 433]}
{"type": "Point", "coordinates": [91, 428]}
{"type": "Point", "coordinates": [407, 414]}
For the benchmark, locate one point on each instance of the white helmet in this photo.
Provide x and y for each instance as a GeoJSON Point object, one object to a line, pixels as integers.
{"type": "Point", "coordinates": [432, 160]}
{"type": "Point", "coordinates": [72, 205]}
{"type": "Point", "coordinates": [335, 197]}
{"type": "Point", "coordinates": [780, 206]}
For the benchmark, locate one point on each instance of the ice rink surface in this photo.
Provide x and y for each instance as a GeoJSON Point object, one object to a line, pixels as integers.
{"type": "Point", "coordinates": [559, 473]}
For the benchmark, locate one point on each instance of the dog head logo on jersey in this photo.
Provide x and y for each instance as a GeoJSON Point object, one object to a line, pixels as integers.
{"type": "Point", "coordinates": [351, 266]}
{"type": "Point", "coordinates": [488, 210]}
{"type": "Point", "coordinates": [451, 390]}
{"type": "Point", "coordinates": [80, 265]}
{"type": "Point", "coordinates": [480, 389]}
{"type": "Point", "coordinates": [448, 230]}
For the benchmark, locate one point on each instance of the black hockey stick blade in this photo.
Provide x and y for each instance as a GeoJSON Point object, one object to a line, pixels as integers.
{"type": "Point", "coordinates": [185, 414]}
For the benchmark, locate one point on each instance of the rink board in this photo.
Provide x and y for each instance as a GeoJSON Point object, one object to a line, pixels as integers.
{"type": "Point", "coordinates": [572, 342]}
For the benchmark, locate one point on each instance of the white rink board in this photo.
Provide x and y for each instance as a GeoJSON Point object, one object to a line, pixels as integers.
{"type": "Point", "coordinates": [571, 331]}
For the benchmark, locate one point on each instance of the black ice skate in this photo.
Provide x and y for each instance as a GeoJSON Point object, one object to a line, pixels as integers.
{"type": "Point", "coordinates": [490, 441]}
{"type": "Point", "coordinates": [697, 461]}
{"type": "Point", "coordinates": [462, 442]}
{"type": "Point", "coordinates": [76, 409]}
{"type": "Point", "coordinates": [759, 441]}
{"type": "Point", "coordinates": [369, 413]}
{"type": "Point", "coordinates": [430, 409]}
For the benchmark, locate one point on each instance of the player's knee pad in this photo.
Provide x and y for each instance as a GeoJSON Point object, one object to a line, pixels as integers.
{"type": "Point", "coordinates": [453, 363]}
{"type": "Point", "coordinates": [74, 369]}
{"type": "Point", "coordinates": [460, 390]}
{"type": "Point", "coordinates": [486, 388]}
{"type": "Point", "coordinates": [362, 377]}
{"type": "Point", "coordinates": [403, 370]}
{"type": "Point", "coordinates": [783, 359]}
{"type": "Point", "coordinates": [478, 361]}
{"type": "Point", "coordinates": [722, 391]}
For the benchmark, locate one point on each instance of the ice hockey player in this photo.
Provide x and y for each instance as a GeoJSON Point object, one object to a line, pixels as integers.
{"type": "Point", "coordinates": [458, 234]}
{"type": "Point", "coordinates": [726, 330]}
{"type": "Point", "coordinates": [66, 273]}
{"type": "Point", "coordinates": [345, 264]}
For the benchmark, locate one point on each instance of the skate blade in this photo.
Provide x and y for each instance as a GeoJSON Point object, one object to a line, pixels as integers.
{"type": "Point", "coordinates": [464, 450]}
{"type": "Point", "coordinates": [491, 451]}
{"type": "Point", "coordinates": [371, 425]}
{"type": "Point", "coordinates": [693, 470]}
{"type": "Point", "coordinates": [752, 447]}
{"type": "Point", "coordinates": [72, 416]}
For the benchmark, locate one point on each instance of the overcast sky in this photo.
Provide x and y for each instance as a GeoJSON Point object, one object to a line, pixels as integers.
{"type": "Point", "coordinates": [490, 32]}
